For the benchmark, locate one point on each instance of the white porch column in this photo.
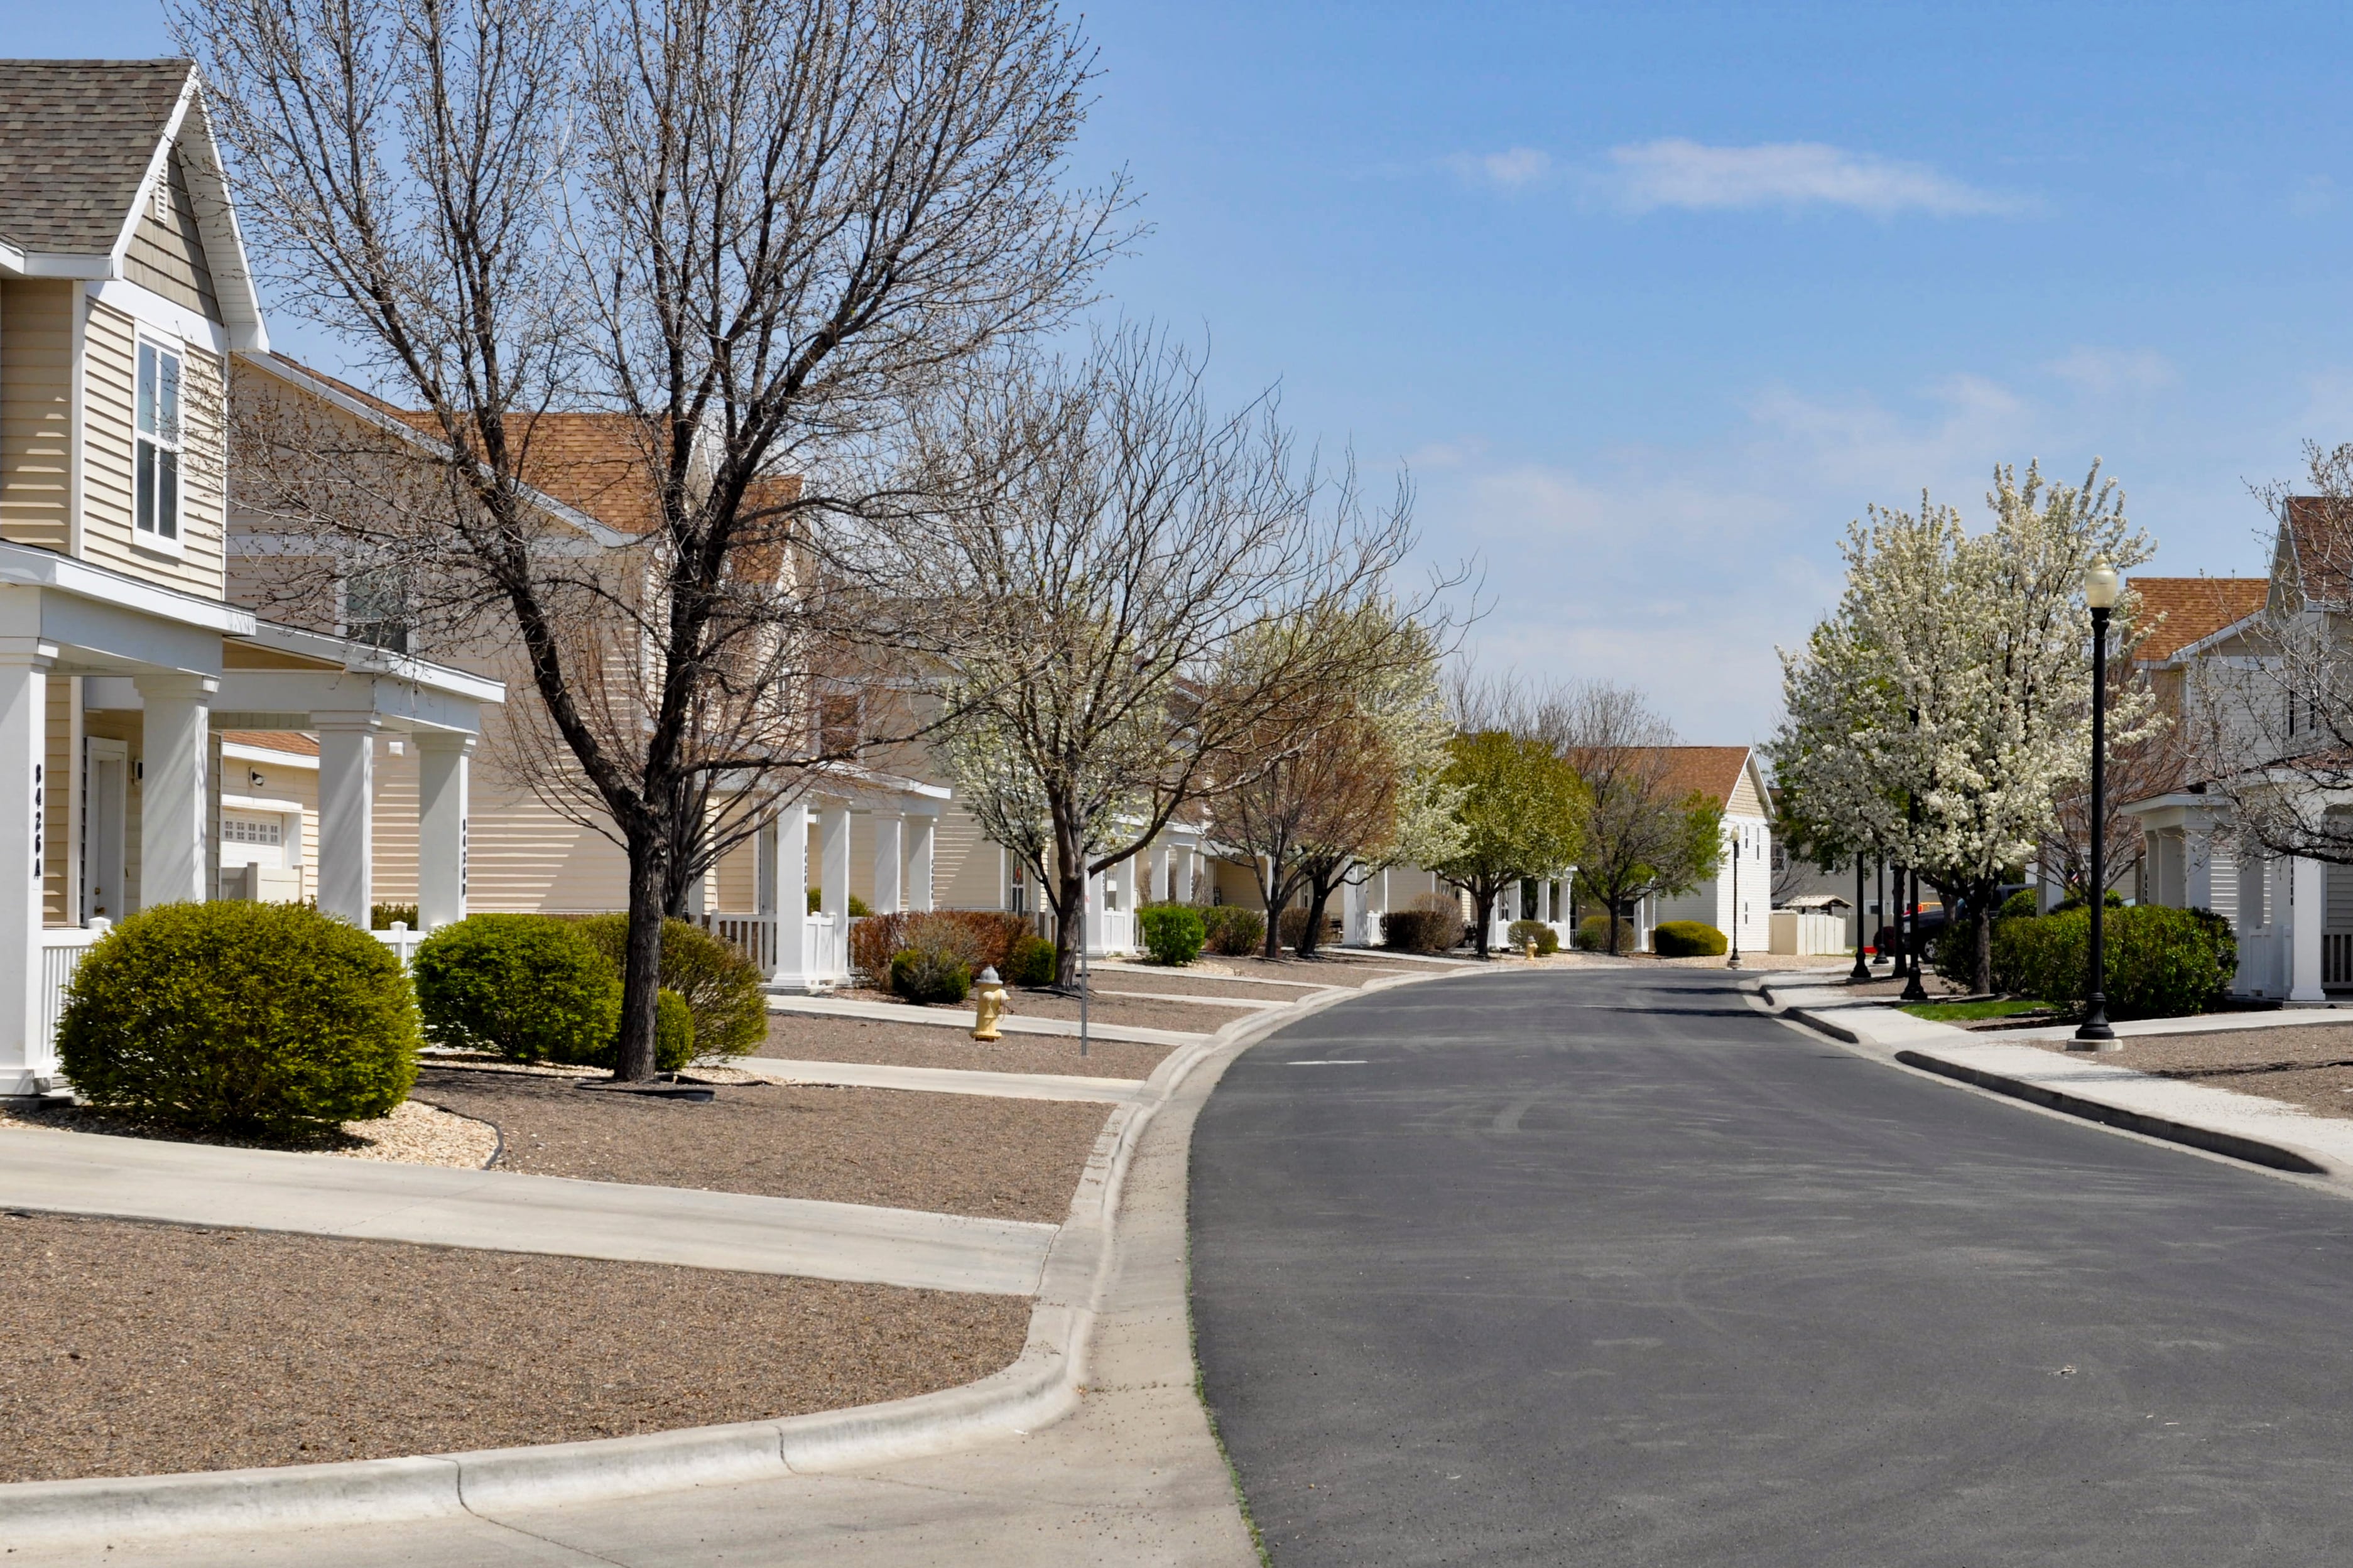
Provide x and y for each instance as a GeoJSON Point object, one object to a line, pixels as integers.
{"type": "Point", "coordinates": [2307, 912]}
{"type": "Point", "coordinates": [890, 834]}
{"type": "Point", "coordinates": [346, 815]}
{"type": "Point", "coordinates": [24, 1053]}
{"type": "Point", "coordinates": [2198, 865]}
{"type": "Point", "coordinates": [833, 861]}
{"type": "Point", "coordinates": [441, 801]}
{"type": "Point", "coordinates": [1185, 859]}
{"type": "Point", "coordinates": [1162, 879]}
{"type": "Point", "coordinates": [174, 853]}
{"type": "Point", "coordinates": [789, 893]}
{"type": "Point", "coordinates": [921, 831]}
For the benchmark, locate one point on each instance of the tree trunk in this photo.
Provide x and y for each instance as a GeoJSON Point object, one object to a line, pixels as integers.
{"type": "Point", "coordinates": [1483, 905]}
{"type": "Point", "coordinates": [1612, 902]}
{"type": "Point", "coordinates": [1070, 924]}
{"type": "Point", "coordinates": [641, 967]}
{"type": "Point", "coordinates": [1982, 919]}
{"type": "Point", "coordinates": [1319, 899]}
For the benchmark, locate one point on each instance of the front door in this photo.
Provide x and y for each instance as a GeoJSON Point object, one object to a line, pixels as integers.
{"type": "Point", "coordinates": [106, 783]}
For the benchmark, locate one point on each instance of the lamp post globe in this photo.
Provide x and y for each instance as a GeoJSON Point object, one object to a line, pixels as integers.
{"type": "Point", "coordinates": [2100, 588]}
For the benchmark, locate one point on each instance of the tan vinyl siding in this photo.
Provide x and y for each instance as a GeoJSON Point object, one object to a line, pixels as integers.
{"type": "Point", "coordinates": [737, 886]}
{"type": "Point", "coordinates": [967, 872]}
{"type": "Point", "coordinates": [168, 257]}
{"type": "Point", "coordinates": [110, 383]}
{"type": "Point", "coordinates": [36, 413]}
{"type": "Point", "coordinates": [395, 877]}
{"type": "Point", "coordinates": [1745, 802]}
{"type": "Point", "coordinates": [522, 857]}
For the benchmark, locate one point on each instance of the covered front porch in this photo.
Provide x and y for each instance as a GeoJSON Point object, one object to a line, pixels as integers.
{"type": "Point", "coordinates": [2293, 915]}
{"type": "Point", "coordinates": [114, 696]}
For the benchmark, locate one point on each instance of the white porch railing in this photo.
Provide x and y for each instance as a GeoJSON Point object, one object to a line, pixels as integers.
{"type": "Point", "coordinates": [62, 950]}
{"type": "Point", "coordinates": [755, 936]}
{"type": "Point", "coordinates": [403, 941]}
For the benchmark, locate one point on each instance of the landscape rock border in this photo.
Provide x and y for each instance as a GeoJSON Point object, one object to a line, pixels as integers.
{"type": "Point", "coordinates": [1040, 1385]}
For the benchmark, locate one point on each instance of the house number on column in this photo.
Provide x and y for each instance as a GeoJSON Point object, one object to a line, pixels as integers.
{"type": "Point", "coordinates": [38, 823]}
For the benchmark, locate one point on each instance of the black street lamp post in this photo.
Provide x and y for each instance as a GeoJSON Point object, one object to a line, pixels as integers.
{"type": "Point", "coordinates": [1737, 834]}
{"type": "Point", "coordinates": [1860, 973]}
{"type": "Point", "coordinates": [2100, 588]}
{"type": "Point", "coordinates": [1912, 990]}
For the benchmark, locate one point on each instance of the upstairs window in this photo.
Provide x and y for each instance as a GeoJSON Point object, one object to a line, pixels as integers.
{"type": "Point", "coordinates": [158, 514]}
{"type": "Point", "coordinates": [375, 608]}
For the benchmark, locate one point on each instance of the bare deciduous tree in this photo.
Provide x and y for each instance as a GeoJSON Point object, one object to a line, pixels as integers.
{"type": "Point", "coordinates": [1116, 542]}
{"type": "Point", "coordinates": [748, 228]}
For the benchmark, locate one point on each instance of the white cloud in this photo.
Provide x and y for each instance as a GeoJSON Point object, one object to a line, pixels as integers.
{"type": "Point", "coordinates": [1679, 172]}
{"type": "Point", "coordinates": [1508, 170]}
{"type": "Point", "coordinates": [2110, 371]}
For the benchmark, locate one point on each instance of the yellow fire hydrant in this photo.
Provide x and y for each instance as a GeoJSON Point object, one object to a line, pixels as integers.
{"type": "Point", "coordinates": [988, 1005]}
{"type": "Point", "coordinates": [1528, 944]}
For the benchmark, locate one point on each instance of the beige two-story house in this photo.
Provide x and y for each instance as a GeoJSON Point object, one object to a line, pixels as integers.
{"type": "Point", "coordinates": [124, 669]}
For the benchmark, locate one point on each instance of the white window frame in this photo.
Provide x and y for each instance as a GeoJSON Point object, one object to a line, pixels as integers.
{"type": "Point", "coordinates": [147, 520]}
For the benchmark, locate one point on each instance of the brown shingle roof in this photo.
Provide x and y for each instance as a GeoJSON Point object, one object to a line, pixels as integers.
{"type": "Point", "coordinates": [1713, 771]}
{"type": "Point", "coordinates": [2193, 609]}
{"type": "Point", "coordinates": [2320, 531]}
{"type": "Point", "coordinates": [76, 138]}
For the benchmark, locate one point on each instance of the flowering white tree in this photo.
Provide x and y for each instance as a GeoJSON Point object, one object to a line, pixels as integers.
{"type": "Point", "coordinates": [1941, 710]}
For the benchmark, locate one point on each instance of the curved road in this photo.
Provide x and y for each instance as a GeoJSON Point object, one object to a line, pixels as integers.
{"type": "Point", "coordinates": [1604, 1266]}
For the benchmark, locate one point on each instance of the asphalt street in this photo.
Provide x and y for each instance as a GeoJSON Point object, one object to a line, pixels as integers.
{"type": "Point", "coordinates": [1605, 1267]}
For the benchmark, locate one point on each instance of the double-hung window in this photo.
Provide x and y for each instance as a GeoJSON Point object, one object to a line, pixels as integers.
{"type": "Point", "coordinates": [158, 515]}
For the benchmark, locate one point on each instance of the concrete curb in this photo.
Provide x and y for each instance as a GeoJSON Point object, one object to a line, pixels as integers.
{"type": "Point", "coordinates": [1040, 1386]}
{"type": "Point", "coordinates": [2216, 1121]}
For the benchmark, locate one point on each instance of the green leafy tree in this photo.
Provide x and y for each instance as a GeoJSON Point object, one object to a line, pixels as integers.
{"type": "Point", "coordinates": [1521, 812]}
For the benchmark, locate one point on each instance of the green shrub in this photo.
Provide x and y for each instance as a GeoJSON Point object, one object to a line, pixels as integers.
{"type": "Point", "coordinates": [1522, 933]}
{"type": "Point", "coordinates": [1031, 961]}
{"type": "Point", "coordinates": [380, 917]}
{"type": "Point", "coordinates": [2074, 901]}
{"type": "Point", "coordinates": [673, 1032]}
{"type": "Point", "coordinates": [240, 1017]}
{"type": "Point", "coordinates": [527, 986]}
{"type": "Point", "coordinates": [930, 975]}
{"type": "Point", "coordinates": [719, 985]}
{"type": "Point", "coordinates": [1420, 931]}
{"type": "Point", "coordinates": [2161, 962]}
{"type": "Point", "coordinates": [1593, 934]}
{"type": "Point", "coordinates": [1173, 933]}
{"type": "Point", "coordinates": [2021, 902]}
{"type": "Point", "coordinates": [1686, 939]}
{"type": "Point", "coordinates": [1232, 930]}
{"type": "Point", "coordinates": [859, 908]}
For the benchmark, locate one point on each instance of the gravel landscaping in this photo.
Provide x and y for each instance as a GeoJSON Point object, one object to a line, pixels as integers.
{"type": "Point", "coordinates": [1180, 1016]}
{"type": "Point", "coordinates": [815, 1037]}
{"type": "Point", "coordinates": [414, 1134]}
{"type": "Point", "coordinates": [951, 1153]}
{"type": "Point", "coordinates": [1190, 982]}
{"type": "Point", "coordinates": [147, 1349]}
{"type": "Point", "coordinates": [2310, 1066]}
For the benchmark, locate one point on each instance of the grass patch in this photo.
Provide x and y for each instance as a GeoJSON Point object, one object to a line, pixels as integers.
{"type": "Point", "coordinates": [1961, 1012]}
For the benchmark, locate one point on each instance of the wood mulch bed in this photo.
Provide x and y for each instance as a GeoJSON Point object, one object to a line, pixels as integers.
{"type": "Point", "coordinates": [816, 1038]}
{"type": "Point", "coordinates": [2306, 1065]}
{"type": "Point", "coordinates": [1009, 1159]}
{"type": "Point", "coordinates": [138, 1349]}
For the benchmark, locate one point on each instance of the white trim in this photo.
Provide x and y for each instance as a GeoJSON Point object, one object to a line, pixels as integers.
{"type": "Point", "coordinates": [239, 751]}
{"type": "Point", "coordinates": [157, 314]}
{"type": "Point", "coordinates": [157, 161]}
{"type": "Point", "coordinates": [367, 659]}
{"type": "Point", "coordinates": [261, 805]}
{"type": "Point", "coordinates": [26, 566]}
{"type": "Point", "coordinates": [154, 540]}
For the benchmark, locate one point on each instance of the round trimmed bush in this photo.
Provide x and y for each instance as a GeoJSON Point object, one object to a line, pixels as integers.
{"type": "Point", "coordinates": [1232, 930]}
{"type": "Point", "coordinates": [2161, 963]}
{"type": "Point", "coordinates": [1593, 934]}
{"type": "Point", "coordinates": [1030, 961]}
{"type": "Point", "coordinates": [929, 975]}
{"type": "Point", "coordinates": [1522, 933]}
{"type": "Point", "coordinates": [1173, 933]}
{"type": "Point", "coordinates": [528, 987]}
{"type": "Point", "coordinates": [240, 1017]}
{"type": "Point", "coordinates": [719, 985]}
{"type": "Point", "coordinates": [1686, 939]}
{"type": "Point", "coordinates": [673, 1032]}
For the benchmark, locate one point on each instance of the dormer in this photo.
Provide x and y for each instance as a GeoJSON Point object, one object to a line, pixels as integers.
{"type": "Point", "coordinates": [123, 290]}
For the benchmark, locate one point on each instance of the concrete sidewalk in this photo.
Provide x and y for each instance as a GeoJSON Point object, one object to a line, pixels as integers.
{"type": "Point", "coordinates": [951, 1081]}
{"type": "Point", "coordinates": [963, 1018]}
{"type": "Point", "coordinates": [2266, 1132]}
{"type": "Point", "coordinates": [259, 1189]}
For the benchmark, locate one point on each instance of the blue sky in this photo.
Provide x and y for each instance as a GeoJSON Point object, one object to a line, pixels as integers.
{"type": "Point", "coordinates": [1654, 299]}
